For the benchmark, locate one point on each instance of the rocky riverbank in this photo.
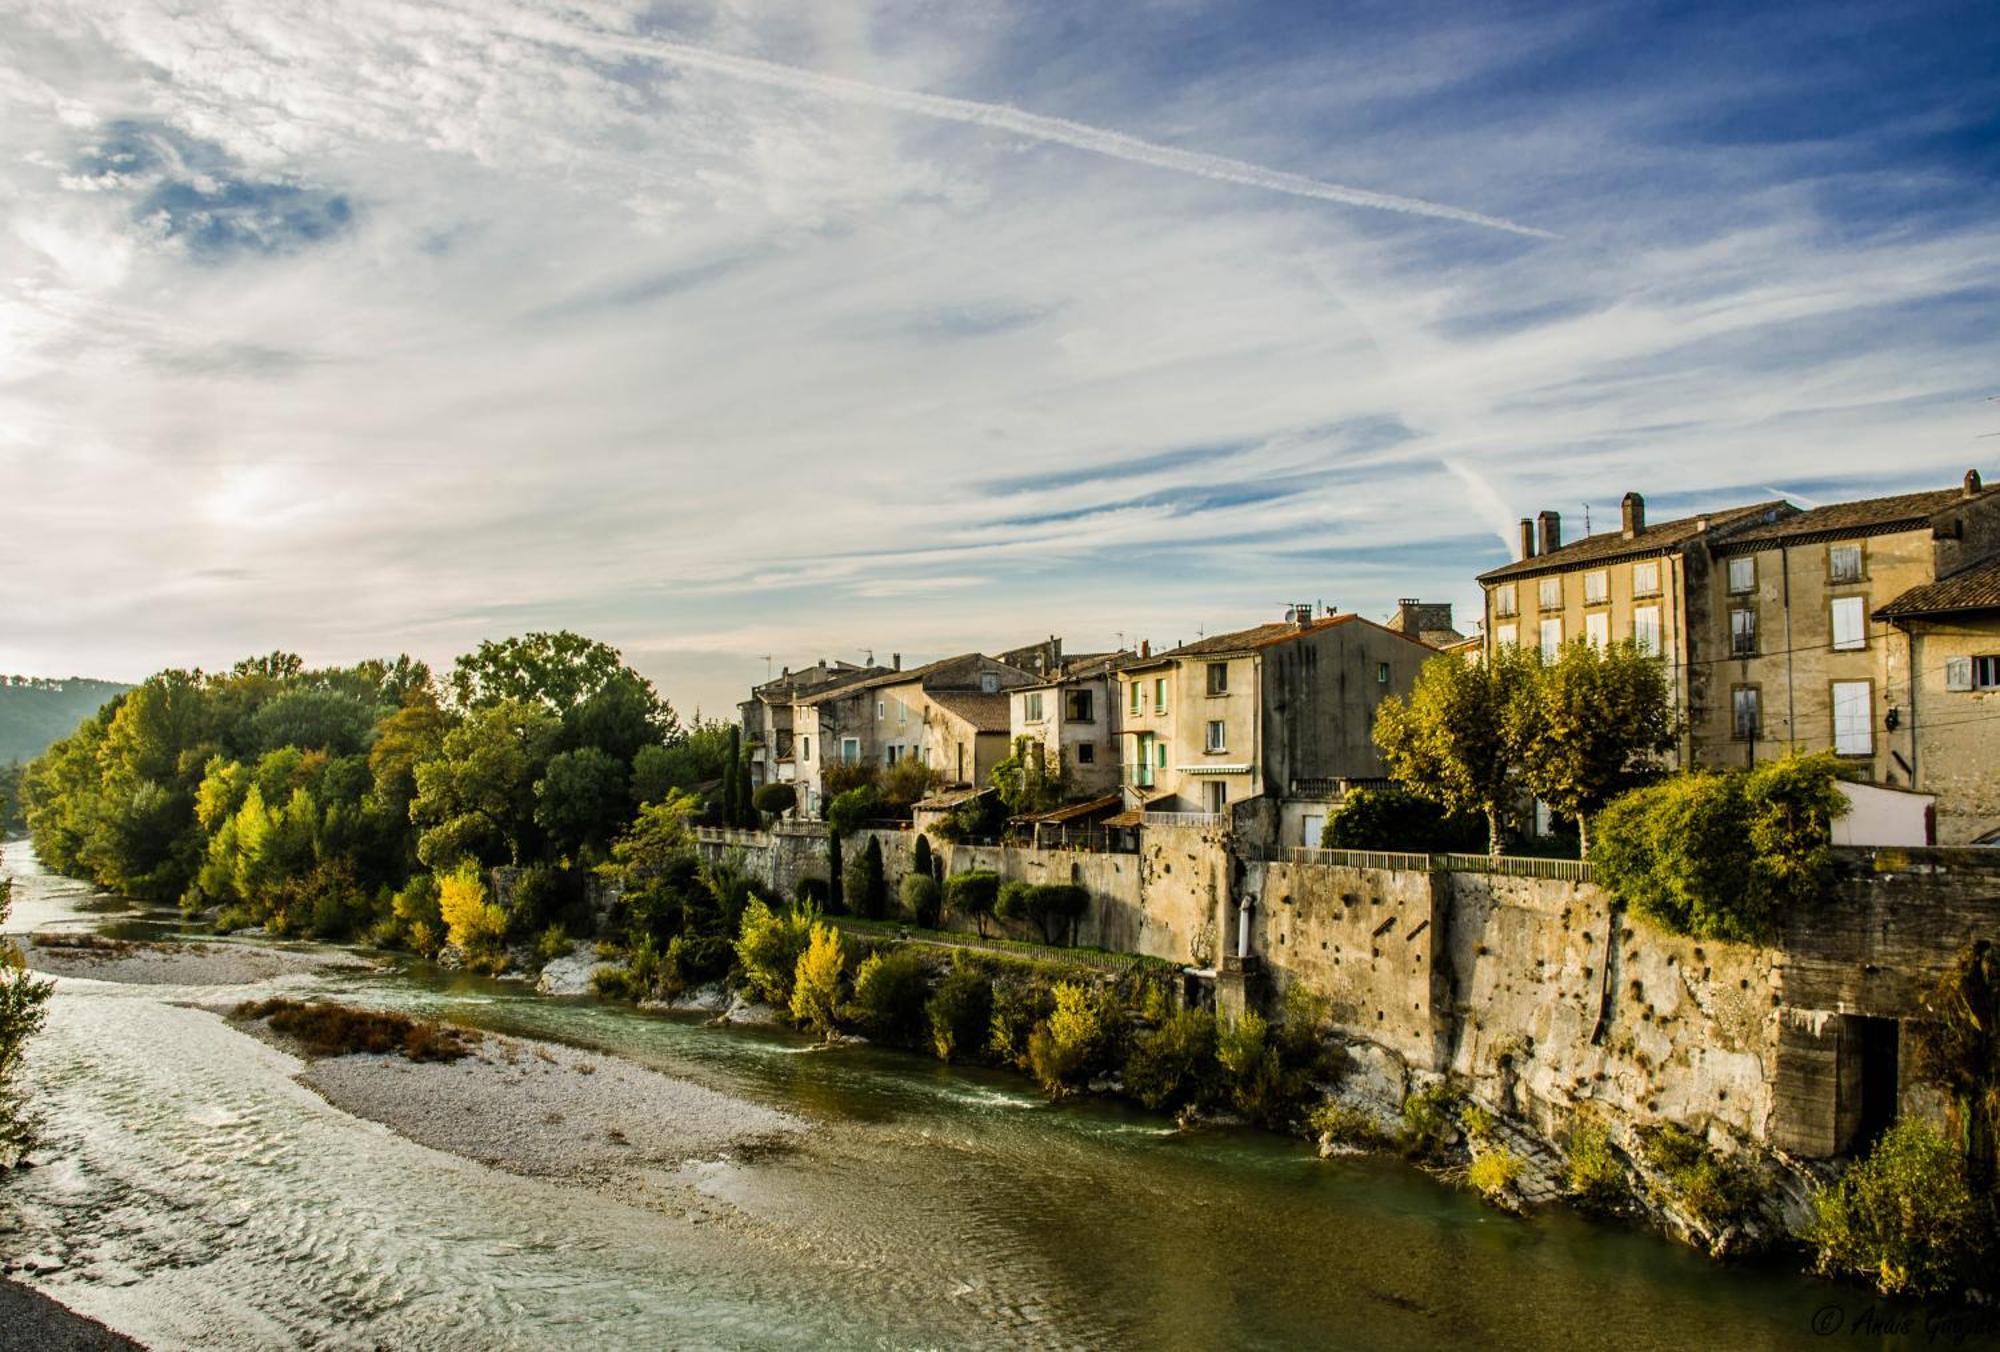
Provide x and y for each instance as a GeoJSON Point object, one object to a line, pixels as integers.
{"type": "Point", "coordinates": [163, 963]}
{"type": "Point", "coordinates": [29, 1319]}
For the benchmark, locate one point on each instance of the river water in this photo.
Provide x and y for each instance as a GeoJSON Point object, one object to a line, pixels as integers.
{"type": "Point", "coordinates": [198, 1197]}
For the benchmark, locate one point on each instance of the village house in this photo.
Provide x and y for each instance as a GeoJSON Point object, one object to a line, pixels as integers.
{"type": "Point", "coordinates": [1073, 716]}
{"type": "Point", "coordinates": [1428, 622]}
{"type": "Point", "coordinates": [1282, 709]}
{"type": "Point", "coordinates": [767, 715]}
{"type": "Point", "coordinates": [950, 714]}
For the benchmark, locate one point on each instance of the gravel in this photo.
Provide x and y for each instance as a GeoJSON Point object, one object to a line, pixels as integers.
{"type": "Point", "coordinates": [549, 1111]}
{"type": "Point", "coordinates": [177, 964]}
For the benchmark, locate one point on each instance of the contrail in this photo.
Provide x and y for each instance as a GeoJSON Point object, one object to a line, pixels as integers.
{"type": "Point", "coordinates": [1001, 117]}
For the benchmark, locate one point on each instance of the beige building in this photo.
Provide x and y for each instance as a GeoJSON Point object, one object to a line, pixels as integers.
{"type": "Point", "coordinates": [1260, 711]}
{"type": "Point", "coordinates": [1944, 641]}
{"type": "Point", "coordinates": [1427, 621]}
{"type": "Point", "coordinates": [767, 715]}
{"type": "Point", "coordinates": [951, 715]}
{"type": "Point", "coordinates": [1075, 715]}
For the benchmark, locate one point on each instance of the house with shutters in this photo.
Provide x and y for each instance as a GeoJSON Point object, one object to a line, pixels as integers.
{"type": "Point", "coordinates": [1072, 713]}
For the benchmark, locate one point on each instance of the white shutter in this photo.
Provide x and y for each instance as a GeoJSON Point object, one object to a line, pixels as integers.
{"type": "Point", "coordinates": [1958, 673]}
{"type": "Point", "coordinates": [1646, 629]}
{"type": "Point", "coordinates": [1853, 718]}
{"type": "Point", "coordinates": [1597, 628]}
{"type": "Point", "coordinates": [1848, 622]}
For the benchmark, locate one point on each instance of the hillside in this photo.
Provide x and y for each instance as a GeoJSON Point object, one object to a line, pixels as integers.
{"type": "Point", "coordinates": [35, 713]}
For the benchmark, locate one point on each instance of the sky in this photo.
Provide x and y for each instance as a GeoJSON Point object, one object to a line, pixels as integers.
{"type": "Point", "coordinates": [741, 334]}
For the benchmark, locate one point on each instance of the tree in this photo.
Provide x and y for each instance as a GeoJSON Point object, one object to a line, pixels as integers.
{"type": "Point", "coordinates": [471, 921]}
{"type": "Point", "coordinates": [477, 799]}
{"type": "Point", "coordinates": [317, 719]}
{"type": "Point", "coordinates": [1593, 724]}
{"type": "Point", "coordinates": [1452, 740]}
{"type": "Point", "coordinates": [817, 981]}
{"type": "Point", "coordinates": [775, 799]}
{"type": "Point", "coordinates": [732, 807]}
{"type": "Point", "coordinates": [560, 671]}
{"type": "Point", "coordinates": [23, 1010]}
{"type": "Point", "coordinates": [580, 800]}
{"type": "Point", "coordinates": [866, 890]}
{"type": "Point", "coordinates": [1396, 819]}
{"type": "Point", "coordinates": [974, 893]}
{"type": "Point", "coordinates": [920, 857]}
{"type": "Point", "coordinates": [845, 815]}
{"type": "Point", "coordinates": [1033, 779]}
{"type": "Point", "coordinates": [746, 815]}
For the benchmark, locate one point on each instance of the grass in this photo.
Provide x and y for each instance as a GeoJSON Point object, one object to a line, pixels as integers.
{"type": "Point", "coordinates": [341, 1030]}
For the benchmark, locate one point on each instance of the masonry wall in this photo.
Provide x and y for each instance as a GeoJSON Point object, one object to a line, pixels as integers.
{"type": "Point", "coordinates": [1952, 737]}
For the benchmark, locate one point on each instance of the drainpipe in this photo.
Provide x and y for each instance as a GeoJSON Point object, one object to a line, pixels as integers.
{"type": "Point", "coordinates": [1791, 655]}
{"type": "Point", "coordinates": [1243, 927]}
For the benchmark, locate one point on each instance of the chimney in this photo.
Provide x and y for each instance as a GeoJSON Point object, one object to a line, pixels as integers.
{"type": "Point", "coordinates": [1145, 647]}
{"type": "Point", "coordinates": [1550, 529]}
{"type": "Point", "coordinates": [1527, 538]}
{"type": "Point", "coordinates": [1972, 484]}
{"type": "Point", "coordinates": [896, 661]}
{"type": "Point", "coordinates": [1635, 515]}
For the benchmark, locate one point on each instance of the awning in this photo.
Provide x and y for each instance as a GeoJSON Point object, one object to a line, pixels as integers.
{"type": "Point", "coordinates": [1209, 769]}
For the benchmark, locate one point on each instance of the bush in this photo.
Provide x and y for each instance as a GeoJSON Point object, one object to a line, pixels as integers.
{"type": "Point", "coordinates": [817, 981]}
{"type": "Point", "coordinates": [1494, 1172]}
{"type": "Point", "coordinates": [1431, 1122]}
{"type": "Point", "coordinates": [1174, 1064]}
{"type": "Point", "coordinates": [923, 900]}
{"type": "Point", "coordinates": [769, 948]}
{"type": "Point", "coordinates": [1073, 1041]}
{"type": "Point", "coordinates": [920, 857]}
{"type": "Point", "coordinates": [960, 1011]}
{"type": "Point", "coordinates": [974, 894]}
{"type": "Point", "coordinates": [867, 890]}
{"type": "Point", "coordinates": [889, 993]}
{"type": "Point", "coordinates": [1396, 819]}
{"type": "Point", "coordinates": [471, 921]}
{"type": "Point", "coordinates": [339, 1030]}
{"type": "Point", "coordinates": [775, 799]}
{"type": "Point", "coordinates": [1905, 1217]}
{"type": "Point", "coordinates": [1712, 1192]}
{"type": "Point", "coordinates": [554, 943]}
{"type": "Point", "coordinates": [1259, 1087]}
{"type": "Point", "coordinates": [1052, 908]}
{"type": "Point", "coordinates": [1337, 1124]}
{"type": "Point", "coordinates": [1019, 1006]}
{"type": "Point", "coordinates": [1593, 1175]}
{"type": "Point", "coordinates": [812, 894]}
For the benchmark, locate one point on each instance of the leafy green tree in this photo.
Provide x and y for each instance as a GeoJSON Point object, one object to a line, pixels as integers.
{"type": "Point", "coordinates": [691, 759]}
{"type": "Point", "coordinates": [745, 797]}
{"type": "Point", "coordinates": [923, 899]}
{"type": "Point", "coordinates": [1906, 1217]}
{"type": "Point", "coordinates": [769, 947]}
{"type": "Point", "coordinates": [333, 721]}
{"type": "Point", "coordinates": [775, 799]}
{"type": "Point", "coordinates": [960, 1011]}
{"type": "Point", "coordinates": [866, 890]}
{"type": "Point", "coordinates": [921, 860]}
{"type": "Point", "coordinates": [13, 808]}
{"type": "Point", "coordinates": [890, 990]}
{"type": "Point", "coordinates": [1594, 723]}
{"type": "Point", "coordinates": [732, 806]}
{"type": "Point", "coordinates": [1033, 779]}
{"type": "Point", "coordinates": [1453, 739]}
{"type": "Point", "coordinates": [559, 671]}
{"type": "Point", "coordinates": [817, 982]}
{"type": "Point", "coordinates": [974, 893]}
{"type": "Point", "coordinates": [622, 718]}
{"type": "Point", "coordinates": [845, 815]}
{"type": "Point", "coordinates": [580, 800]}
{"type": "Point", "coordinates": [1396, 819]}
{"type": "Point", "coordinates": [476, 800]}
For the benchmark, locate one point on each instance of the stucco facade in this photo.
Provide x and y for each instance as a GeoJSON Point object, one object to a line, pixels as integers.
{"type": "Point", "coordinates": [1075, 716]}
{"type": "Point", "coordinates": [1945, 639]}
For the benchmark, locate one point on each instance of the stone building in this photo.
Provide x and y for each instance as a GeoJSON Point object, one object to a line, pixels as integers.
{"type": "Point", "coordinates": [1943, 640]}
{"type": "Point", "coordinates": [1074, 714]}
{"type": "Point", "coordinates": [767, 715]}
{"type": "Point", "coordinates": [1257, 712]}
{"type": "Point", "coordinates": [1426, 621]}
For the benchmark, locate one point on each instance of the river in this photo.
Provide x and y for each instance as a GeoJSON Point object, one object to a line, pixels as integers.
{"type": "Point", "coordinates": [199, 1197]}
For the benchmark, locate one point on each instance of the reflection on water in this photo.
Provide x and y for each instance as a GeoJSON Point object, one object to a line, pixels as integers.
{"type": "Point", "coordinates": [201, 1197]}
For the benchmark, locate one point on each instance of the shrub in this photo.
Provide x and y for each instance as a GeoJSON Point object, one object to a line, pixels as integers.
{"type": "Point", "coordinates": [889, 993]}
{"type": "Point", "coordinates": [1338, 1124]}
{"type": "Point", "coordinates": [23, 1010]}
{"type": "Point", "coordinates": [960, 1011]}
{"type": "Point", "coordinates": [1476, 1122]}
{"type": "Point", "coordinates": [1712, 1192]}
{"type": "Point", "coordinates": [1593, 1175]}
{"type": "Point", "coordinates": [471, 921]}
{"type": "Point", "coordinates": [811, 894]}
{"type": "Point", "coordinates": [340, 1030]}
{"type": "Point", "coordinates": [1259, 1087]}
{"type": "Point", "coordinates": [920, 857]}
{"type": "Point", "coordinates": [1905, 1217]}
{"type": "Point", "coordinates": [1430, 1121]}
{"type": "Point", "coordinates": [554, 943]}
{"type": "Point", "coordinates": [974, 894]}
{"type": "Point", "coordinates": [817, 981]}
{"type": "Point", "coordinates": [1396, 819]}
{"type": "Point", "coordinates": [1494, 1172]}
{"type": "Point", "coordinates": [1019, 1006]}
{"type": "Point", "coordinates": [540, 897]}
{"type": "Point", "coordinates": [1052, 908]}
{"type": "Point", "coordinates": [775, 799]}
{"type": "Point", "coordinates": [615, 983]}
{"type": "Point", "coordinates": [867, 890]}
{"type": "Point", "coordinates": [769, 948]}
{"type": "Point", "coordinates": [923, 900]}
{"type": "Point", "coordinates": [1174, 1064]}
{"type": "Point", "coordinates": [1068, 1045]}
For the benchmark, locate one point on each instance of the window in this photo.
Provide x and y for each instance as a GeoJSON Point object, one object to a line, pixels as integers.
{"type": "Point", "coordinates": [805, 748]}
{"type": "Point", "coordinates": [1552, 639]}
{"type": "Point", "coordinates": [1506, 635]}
{"type": "Point", "coordinates": [1503, 600]}
{"type": "Point", "coordinates": [1142, 766]}
{"type": "Point", "coordinates": [1853, 718]}
{"type": "Point", "coordinates": [1646, 629]}
{"type": "Point", "coordinates": [1646, 578]}
{"type": "Point", "coordinates": [889, 754]}
{"type": "Point", "coordinates": [1597, 628]}
{"type": "Point", "coordinates": [989, 682]}
{"type": "Point", "coordinates": [1745, 717]}
{"type": "Point", "coordinates": [1218, 678]}
{"type": "Point", "coordinates": [1550, 593]}
{"type": "Point", "coordinates": [1217, 739]}
{"type": "Point", "coordinates": [1743, 632]}
{"type": "Point", "coordinates": [1596, 587]}
{"type": "Point", "coordinates": [1743, 574]}
{"type": "Point", "coordinates": [1160, 754]}
{"type": "Point", "coordinates": [1032, 706]}
{"type": "Point", "coordinates": [1135, 697]}
{"type": "Point", "coordinates": [1079, 707]}
{"type": "Point", "coordinates": [1086, 754]}
{"type": "Point", "coordinates": [1381, 673]}
{"type": "Point", "coordinates": [850, 750]}
{"type": "Point", "coordinates": [1958, 673]}
{"type": "Point", "coordinates": [1159, 694]}
{"type": "Point", "coordinates": [1850, 623]}
{"type": "Point", "coordinates": [1986, 673]}
{"type": "Point", "coordinates": [1843, 563]}
{"type": "Point", "coordinates": [881, 710]}
{"type": "Point", "coordinates": [1217, 796]}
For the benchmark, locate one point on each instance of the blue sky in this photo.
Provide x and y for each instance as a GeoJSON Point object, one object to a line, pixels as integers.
{"type": "Point", "coordinates": [721, 330]}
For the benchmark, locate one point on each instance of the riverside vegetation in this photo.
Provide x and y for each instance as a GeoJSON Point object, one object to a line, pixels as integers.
{"type": "Point", "coordinates": [373, 802]}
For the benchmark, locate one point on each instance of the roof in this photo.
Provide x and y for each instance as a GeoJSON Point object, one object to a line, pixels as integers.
{"type": "Point", "coordinates": [1273, 634]}
{"type": "Point", "coordinates": [1970, 589]}
{"type": "Point", "coordinates": [986, 713]}
{"type": "Point", "coordinates": [950, 798]}
{"type": "Point", "coordinates": [1864, 516]}
{"type": "Point", "coordinates": [1087, 667]}
{"type": "Point", "coordinates": [787, 691]}
{"type": "Point", "coordinates": [1659, 538]}
{"type": "Point", "coordinates": [971, 663]}
{"type": "Point", "coordinates": [1070, 812]}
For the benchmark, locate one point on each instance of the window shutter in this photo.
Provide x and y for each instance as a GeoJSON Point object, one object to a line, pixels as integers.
{"type": "Point", "coordinates": [1958, 673]}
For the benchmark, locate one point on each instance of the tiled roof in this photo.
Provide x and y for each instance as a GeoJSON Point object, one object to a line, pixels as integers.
{"type": "Point", "coordinates": [970, 664]}
{"type": "Point", "coordinates": [1070, 812]}
{"type": "Point", "coordinates": [1865, 516]}
{"type": "Point", "coordinates": [1084, 668]}
{"type": "Point", "coordinates": [1974, 588]}
{"type": "Point", "coordinates": [1659, 538]}
{"type": "Point", "coordinates": [986, 713]}
{"type": "Point", "coordinates": [1270, 635]}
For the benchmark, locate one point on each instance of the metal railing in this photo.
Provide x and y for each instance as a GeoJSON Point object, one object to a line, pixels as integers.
{"type": "Point", "coordinates": [1325, 789]}
{"type": "Point", "coordinates": [1184, 819]}
{"type": "Point", "coordinates": [729, 835]}
{"type": "Point", "coordinates": [1506, 865]}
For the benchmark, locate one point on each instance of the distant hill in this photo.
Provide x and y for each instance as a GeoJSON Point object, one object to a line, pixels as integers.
{"type": "Point", "coordinates": [36, 713]}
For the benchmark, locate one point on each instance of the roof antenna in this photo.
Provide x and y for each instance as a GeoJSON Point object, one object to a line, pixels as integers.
{"type": "Point", "coordinates": [767, 665]}
{"type": "Point", "coordinates": [1586, 518]}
